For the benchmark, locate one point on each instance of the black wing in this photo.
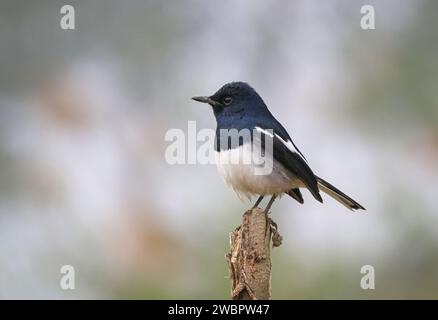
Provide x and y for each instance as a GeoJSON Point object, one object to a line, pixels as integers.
{"type": "Point", "coordinates": [281, 131]}
{"type": "Point", "coordinates": [291, 160]}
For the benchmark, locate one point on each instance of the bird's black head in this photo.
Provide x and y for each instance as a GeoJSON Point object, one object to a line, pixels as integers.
{"type": "Point", "coordinates": [235, 99]}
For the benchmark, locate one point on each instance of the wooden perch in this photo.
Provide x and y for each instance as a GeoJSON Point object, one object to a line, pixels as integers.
{"type": "Point", "coordinates": [249, 260]}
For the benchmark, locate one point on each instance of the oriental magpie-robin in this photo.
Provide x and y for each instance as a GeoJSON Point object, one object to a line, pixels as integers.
{"type": "Point", "coordinates": [237, 106]}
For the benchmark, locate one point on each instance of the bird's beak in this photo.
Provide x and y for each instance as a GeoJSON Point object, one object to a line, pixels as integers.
{"type": "Point", "coordinates": [208, 100]}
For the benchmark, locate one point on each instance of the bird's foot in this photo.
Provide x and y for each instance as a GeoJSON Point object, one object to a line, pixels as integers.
{"type": "Point", "coordinates": [257, 202]}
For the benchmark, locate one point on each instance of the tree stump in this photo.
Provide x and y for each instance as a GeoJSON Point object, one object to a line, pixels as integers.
{"type": "Point", "coordinates": [249, 259]}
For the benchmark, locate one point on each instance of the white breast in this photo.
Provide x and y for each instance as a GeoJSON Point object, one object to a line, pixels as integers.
{"type": "Point", "coordinates": [247, 177]}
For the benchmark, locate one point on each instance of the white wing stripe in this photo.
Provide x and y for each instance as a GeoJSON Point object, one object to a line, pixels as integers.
{"type": "Point", "coordinates": [288, 143]}
{"type": "Point", "coordinates": [264, 131]}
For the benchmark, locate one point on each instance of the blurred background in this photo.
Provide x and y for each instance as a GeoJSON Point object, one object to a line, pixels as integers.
{"type": "Point", "coordinates": [84, 112]}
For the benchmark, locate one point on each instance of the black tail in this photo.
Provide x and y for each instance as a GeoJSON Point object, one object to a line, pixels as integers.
{"type": "Point", "coordinates": [338, 195]}
{"type": "Point", "coordinates": [296, 194]}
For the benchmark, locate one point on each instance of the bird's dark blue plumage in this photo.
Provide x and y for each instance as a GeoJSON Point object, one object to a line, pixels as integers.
{"type": "Point", "coordinates": [246, 110]}
{"type": "Point", "coordinates": [237, 106]}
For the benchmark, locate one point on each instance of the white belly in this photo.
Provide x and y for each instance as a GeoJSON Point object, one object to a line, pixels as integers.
{"type": "Point", "coordinates": [248, 177]}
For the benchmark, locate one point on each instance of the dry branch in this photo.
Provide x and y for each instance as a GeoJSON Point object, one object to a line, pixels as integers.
{"type": "Point", "coordinates": [249, 260]}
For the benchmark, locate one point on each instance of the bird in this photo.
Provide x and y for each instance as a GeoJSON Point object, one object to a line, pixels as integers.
{"type": "Point", "coordinates": [237, 107]}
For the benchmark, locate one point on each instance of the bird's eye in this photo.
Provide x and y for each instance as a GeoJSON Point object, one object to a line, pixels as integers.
{"type": "Point", "coordinates": [227, 101]}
